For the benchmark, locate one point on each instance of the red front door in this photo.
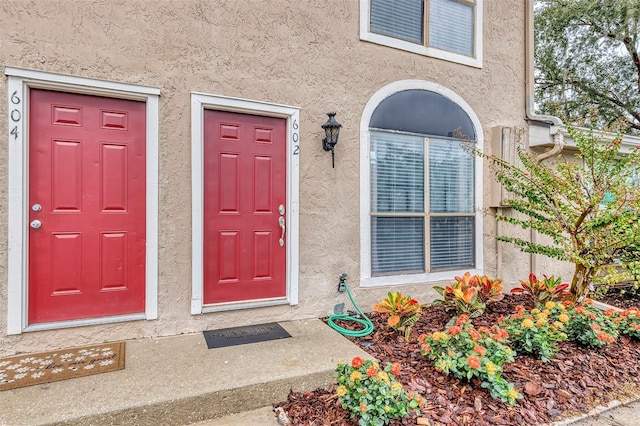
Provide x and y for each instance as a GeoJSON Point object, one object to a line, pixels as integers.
{"type": "Point", "coordinates": [244, 205]}
{"type": "Point", "coordinates": [87, 206]}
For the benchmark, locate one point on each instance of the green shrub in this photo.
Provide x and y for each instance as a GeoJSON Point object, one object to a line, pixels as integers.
{"type": "Point", "coordinates": [586, 203]}
{"type": "Point", "coordinates": [466, 353]}
{"type": "Point", "coordinates": [627, 321]}
{"type": "Point", "coordinates": [590, 326]}
{"type": "Point", "coordinates": [372, 394]}
{"type": "Point", "coordinates": [535, 332]}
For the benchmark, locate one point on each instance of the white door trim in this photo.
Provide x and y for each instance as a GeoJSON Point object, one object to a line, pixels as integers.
{"type": "Point", "coordinates": [20, 82]}
{"type": "Point", "coordinates": [200, 102]}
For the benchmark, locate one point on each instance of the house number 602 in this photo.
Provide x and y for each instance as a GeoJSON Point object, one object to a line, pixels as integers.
{"type": "Point", "coordinates": [295, 136]}
{"type": "Point", "coordinates": [15, 115]}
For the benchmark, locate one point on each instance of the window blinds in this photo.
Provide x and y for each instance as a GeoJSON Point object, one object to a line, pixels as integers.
{"type": "Point", "coordinates": [398, 227]}
{"type": "Point", "coordinates": [450, 22]}
{"type": "Point", "coordinates": [397, 173]}
{"type": "Point", "coordinates": [451, 172]}
{"type": "Point", "coordinates": [397, 244]}
{"type": "Point", "coordinates": [452, 242]}
{"type": "Point", "coordinates": [401, 19]}
{"type": "Point", "coordinates": [451, 26]}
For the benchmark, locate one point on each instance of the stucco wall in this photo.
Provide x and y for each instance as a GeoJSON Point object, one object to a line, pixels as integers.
{"type": "Point", "coordinates": [303, 53]}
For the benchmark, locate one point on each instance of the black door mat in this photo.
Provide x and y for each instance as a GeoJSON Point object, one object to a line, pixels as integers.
{"type": "Point", "coordinates": [243, 335]}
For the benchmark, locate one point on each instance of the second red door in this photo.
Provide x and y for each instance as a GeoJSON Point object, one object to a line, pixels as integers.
{"type": "Point", "coordinates": [244, 207]}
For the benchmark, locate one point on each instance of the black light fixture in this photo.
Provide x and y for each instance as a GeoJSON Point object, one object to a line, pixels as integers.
{"type": "Point", "coordinates": [331, 131]}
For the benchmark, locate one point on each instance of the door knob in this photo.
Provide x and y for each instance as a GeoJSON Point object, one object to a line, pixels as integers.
{"type": "Point", "coordinates": [35, 224]}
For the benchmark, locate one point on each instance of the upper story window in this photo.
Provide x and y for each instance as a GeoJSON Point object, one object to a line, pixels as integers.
{"type": "Point", "coordinates": [445, 29]}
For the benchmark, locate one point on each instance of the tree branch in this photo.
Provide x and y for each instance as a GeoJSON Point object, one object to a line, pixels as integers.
{"type": "Point", "coordinates": [631, 48]}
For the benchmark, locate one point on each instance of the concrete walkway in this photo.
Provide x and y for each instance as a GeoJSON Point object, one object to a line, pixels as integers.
{"type": "Point", "coordinates": [622, 415]}
{"type": "Point", "coordinates": [261, 417]}
{"type": "Point", "coordinates": [178, 381]}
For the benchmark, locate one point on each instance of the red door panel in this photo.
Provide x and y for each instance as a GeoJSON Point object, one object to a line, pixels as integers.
{"type": "Point", "coordinates": [244, 186]}
{"type": "Point", "coordinates": [87, 172]}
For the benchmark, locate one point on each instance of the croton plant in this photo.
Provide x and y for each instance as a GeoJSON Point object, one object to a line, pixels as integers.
{"type": "Point", "coordinates": [403, 311]}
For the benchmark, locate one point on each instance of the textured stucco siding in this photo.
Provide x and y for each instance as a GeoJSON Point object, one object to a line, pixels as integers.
{"type": "Point", "coordinates": [296, 52]}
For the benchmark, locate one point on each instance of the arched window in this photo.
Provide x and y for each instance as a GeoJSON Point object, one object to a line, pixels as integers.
{"type": "Point", "coordinates": [422, 190]}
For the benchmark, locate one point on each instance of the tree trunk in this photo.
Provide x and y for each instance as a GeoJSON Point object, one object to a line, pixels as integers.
{"type": "Point", "coordinates": [581, 281]}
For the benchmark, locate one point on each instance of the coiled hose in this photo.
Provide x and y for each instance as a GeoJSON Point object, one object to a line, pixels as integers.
{"type": "Point", "coordinates": [365, 321]}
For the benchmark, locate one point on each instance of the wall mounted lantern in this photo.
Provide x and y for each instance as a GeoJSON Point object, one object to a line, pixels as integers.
{"type": "Point", "coordinates": [331, 131]}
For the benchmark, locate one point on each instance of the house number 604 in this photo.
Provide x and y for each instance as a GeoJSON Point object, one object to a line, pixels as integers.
{"type": "Point", "coordinates": [15, 115]}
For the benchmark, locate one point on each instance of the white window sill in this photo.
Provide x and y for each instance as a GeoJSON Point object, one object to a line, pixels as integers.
{"type": "Point", "coordinates": [432, 277]}
{"type": "Point", "coordinates": [422, 50]}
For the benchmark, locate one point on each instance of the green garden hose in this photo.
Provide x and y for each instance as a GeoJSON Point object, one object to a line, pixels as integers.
{"type": "Point", "coordinates": [365, 321]}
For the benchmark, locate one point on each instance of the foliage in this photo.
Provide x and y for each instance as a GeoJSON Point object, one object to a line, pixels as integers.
{"type": "Point", "coordinates": [462, 297]}
{"type": "Point", "coordinates": [372, 394]}
{"type": "Point", "coordinates": [535, 332]}
{"type": "Point", "coordinates": [627, 321]}
{"type": "Point", "coordinates": [587, 205]}
{"type": "Point", "coordinates": [587, 63]}
{"type": "Point", "coordinates": [489, 290]}
{"type": "Point", "coordinates": [590, 326]}
{"type": "Point", "coordinates": [403, 312]}
{"type": "Point", "coordinates": [544, 290]}
{"type": "Point", "coordinates": [470, 294]}
{"type": "Point", "coordinates": [466, 353]}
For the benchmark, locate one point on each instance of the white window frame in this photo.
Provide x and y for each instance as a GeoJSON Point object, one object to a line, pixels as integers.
{"type": "Point", "coordinates": [366, 278]}
{"type": "Point", "coordinates": [475, 61]}
{"type": "Point", "coordinates": [20, 82]}
{"type": "Point", "coordinates": [200, 102]}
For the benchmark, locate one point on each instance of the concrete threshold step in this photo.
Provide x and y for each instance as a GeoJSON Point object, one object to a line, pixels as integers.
{"type": "Point", "coordinates": [259, 417]}
{"type": "Point", "coordinates": [177, 381]}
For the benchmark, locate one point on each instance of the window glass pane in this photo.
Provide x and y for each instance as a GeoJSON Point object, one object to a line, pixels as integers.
{"type": "Point", "coordinates": [397, 173]}
{"type": "Point", "coordinates": [452, 242]}
{"type": "Point", "coordinates": [451, 177]}
{"type": "Point", "coordinates": [401, 19]}
{"type": "Point", "coordinates": [397, 244]}
{"type": "Point", "coordinates": [451, 26]}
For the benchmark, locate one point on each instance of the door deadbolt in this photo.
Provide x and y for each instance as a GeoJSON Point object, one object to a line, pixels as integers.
{"type": "Point", "coordinates": [36, 207]}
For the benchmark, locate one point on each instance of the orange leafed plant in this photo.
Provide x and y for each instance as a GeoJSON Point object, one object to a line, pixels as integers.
{"type": "Point", "coordinates": [403, 311]}
{"type": "Point", "coordinates": [489, 290]}
{"type": "Point", "coordinates": [543, 290]}
{"type": "Point", "coordinates": [470, 294]}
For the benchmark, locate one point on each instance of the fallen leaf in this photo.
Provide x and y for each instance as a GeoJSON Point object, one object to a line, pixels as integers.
{"type": "Point", "coordinates": [533, 389]}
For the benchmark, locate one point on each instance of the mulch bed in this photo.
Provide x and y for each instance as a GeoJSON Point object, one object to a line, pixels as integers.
{"type": "Point", "coordinates": [622, 297]}
{"type": "Point", "coordinates": [576, 380]}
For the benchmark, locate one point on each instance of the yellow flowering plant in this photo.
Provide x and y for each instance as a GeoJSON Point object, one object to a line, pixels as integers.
{"type": "Point", "coordinates": [372, 394]}
{"type": "Point", "coordinates": [467, 352]}
{"type": "Point", "coordinates": [537, 332]}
